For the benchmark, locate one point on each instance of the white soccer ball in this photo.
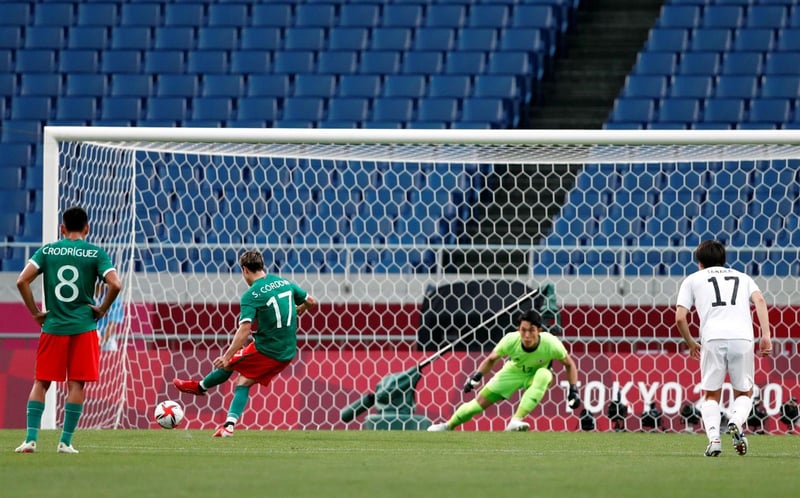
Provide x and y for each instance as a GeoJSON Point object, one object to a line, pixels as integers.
{"type": "Point", "coordinates": [168, 414]}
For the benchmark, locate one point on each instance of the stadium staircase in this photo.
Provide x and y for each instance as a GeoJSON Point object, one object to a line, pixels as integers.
{"type": "Point", "coordinates": [598, 53]}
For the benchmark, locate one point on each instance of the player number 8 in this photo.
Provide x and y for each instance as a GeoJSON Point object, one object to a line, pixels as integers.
{"type": "Point", "coordinates": [69, 284]}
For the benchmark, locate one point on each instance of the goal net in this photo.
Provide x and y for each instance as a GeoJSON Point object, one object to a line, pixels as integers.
{"type": "Point", "coordinates": [413, 240]}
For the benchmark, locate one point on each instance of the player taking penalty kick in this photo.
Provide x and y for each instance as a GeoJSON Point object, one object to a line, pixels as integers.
{"type": "Point", "coordinates": [530, 353]}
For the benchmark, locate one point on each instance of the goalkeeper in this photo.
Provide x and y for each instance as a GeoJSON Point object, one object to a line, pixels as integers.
{"type": "Point", "coordinates": [530, 353]}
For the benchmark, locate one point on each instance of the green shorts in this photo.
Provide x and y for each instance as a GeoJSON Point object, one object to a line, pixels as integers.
{"type": "Point", "coordinates": [507, 381]}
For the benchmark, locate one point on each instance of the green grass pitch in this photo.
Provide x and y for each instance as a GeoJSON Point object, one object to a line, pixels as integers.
{"type": "Point", "coordinates": [142, 463]}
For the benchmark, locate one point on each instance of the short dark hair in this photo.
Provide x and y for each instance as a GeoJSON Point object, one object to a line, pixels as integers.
{"type": "Point", "coordinates": [75, 219]}
{"type": "Point", "coordinates": [530, 316]}
{"type": "Point", "coordinates": [710, 253]}
{"type": "Point", "coordinates": [252, 260]}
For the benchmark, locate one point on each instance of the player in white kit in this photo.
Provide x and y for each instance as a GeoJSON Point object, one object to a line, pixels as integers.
{"type": "Point", "coordinates": [722, 298]}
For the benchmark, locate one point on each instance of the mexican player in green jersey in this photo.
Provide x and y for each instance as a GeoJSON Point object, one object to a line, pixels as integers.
{"type": "Point", "coordinates": [273, 304]}
{"type": "Point", "coordinates": [530, 353]}
{"type": "Point", "coordinates": [68, 346]}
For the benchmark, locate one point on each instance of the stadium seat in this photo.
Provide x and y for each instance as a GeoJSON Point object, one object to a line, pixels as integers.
{"type": "Point", "coordinates": [304, 38]}
{"type": "Point", "coordinates": [131, 38]}
{"type": "Point", "coordinates": [404, 85]}
{"type": "Point", "coordinates": [782, 63]}
{"type": "Point", "coordinates": [85, 85]}
{"type": "Point", "coordinates": [35, 61]}
{"type": "Point", "coordinates": [691, 86]}
{"type": "Point", "coordinates": [667, 40]}
{"type": "Point", "coordinates": [379, 62]}
{"type": "Point", "coordinates": [121, 109]}
{"type": "Point", "coordinates": [140, 14]}
{"type": "Point", "coordinates": [742, 63]}
{"type": "Point", "coordinates": [477, 39]}
{"type": "Point", "coordinates": [175, 38]}
{"type": "Point", "coordinates": [711, 40]}
{"type": "Point", "coordinates": [655, 63]}
{"type": "Point", "coordinates": [449, 85]}
{"type": "Point", "coordinates": [766, 16]}
{"type": "Point", "coordinates": [682, 111]}
{"type": "Point", "coordinates": [633, 110]}
{"type": "Point", "coordinates": [469, 63]}
{"type": "Point", "coordinates": [208, 62]}
{"type": "Point", "coordinates": [348, 38]}
{"type": "Point", "coordinates": [176, 85]}
{"type": "Point", "coordinates": [315, 85]}
{"type": "Point", "coordinates": [393, 109]}
{"type": "Point", "coordinates": [438, 39]}
{"type": "Point", "coordinates": [87, 38]}
{"type": "Point", "coordinates": [184, 14]}
{"type": "Point", "coordinates": [31, 108]}
{"type": "Point", "coordinates": [486, 110]}
{"type": "Point", "coordinates": [11, 37]}
{"type": "Point", "coordinates": [211, 109]}
{"type": "Point", "coordinates": [28, 131]}
{"type": "Point", "coordinates": [164, 62]}
{"type": "Point", "coordinates": [46, 85]}
{"type": "Point", "coordinates": [359, 15]}
{"type": "Point", "coordinates": [390, 38]}
{"type": "Point", "coordinates": [723, 16]}
{"type": "Point", "coordinates": [488, 16]}
{"type": "Point", "coordinates": [443, 110]}
{"type": "Point", "coordinates": [294, 62]}
{"type": "Point", "coordinates": [779, 86]}
{"type": "Point", "coordinates": [268, 85]}
{"type": "Point", "coordinates": [424, 63]}
{"type": "Point", "coordinates": [406, 16]}
{"type": "Point", "coordinates": [261, 38]}
{"type": "Point", "coordinates": [76, 108]}
{"type": "Point", "coordinates": [360, 85]}
{"type": "Point", "coordinates": [337, 62]}
{"type": "Point", "coordinates": [754, 40]}
{"type": "Point", "coordinates": [257, 109]}
{"type": "Point", "coordinates": [228, 15]}
{"type": "Point", "coordinates": [496, 86]}
{"type": "Point", "coordinates": [788, 39]}
{"type": "Point", "coordinates": [679, 16]}
{"type": "Point", "coordinates": [303, 109]}
{"type": "Point", "coordinates": [353, 109]}
{"type": "Point", "coordinates": [53, 14]}
{"type": "Point", "coordinates": [644, 86]}
{"type": "Point", "coordinates": [79, 61]}
{"type": "Point", "coordinates": [247, 62]}
{"type": "Point", "coordinates": [172, 109]}
{"type": "Point", "coordinates": [699, 63]}
{"type": "Point", "coordinates": [16, 14]}
{"type": "Point", "coordinates": [776, 111]}
{"type": "Point", "coordinates": [729, 111]}
{"type": "Point", "coordinates": [121, 61]}
{"type": "Point", "coordinates": [222, 85]}
{"type": "Point", "coordinates": [131, 85]}
{"type": "Point", "coordinates": [736, 86]}
{"type": "Point", "coordinates": [217, 37]}
{"type": "Point", "coordinates": [272, 14]}
{"type": "Point", "coordinates": [319, 15]}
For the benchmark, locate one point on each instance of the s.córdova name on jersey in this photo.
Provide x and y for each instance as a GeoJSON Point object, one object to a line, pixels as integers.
{"type": "Point", "coordinates": [271, 287]}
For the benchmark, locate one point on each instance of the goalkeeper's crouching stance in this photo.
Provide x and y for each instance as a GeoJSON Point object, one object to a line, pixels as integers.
{"type": "Point", "coordinates": [530, 353]}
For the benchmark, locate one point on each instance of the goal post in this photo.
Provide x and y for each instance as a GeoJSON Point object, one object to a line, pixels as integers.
{"type": "Point", "coordinates": [406, 237]}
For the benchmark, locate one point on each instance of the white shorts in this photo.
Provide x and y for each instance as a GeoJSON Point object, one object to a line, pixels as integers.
{"type": "Point", "coordinates": [734, 357]}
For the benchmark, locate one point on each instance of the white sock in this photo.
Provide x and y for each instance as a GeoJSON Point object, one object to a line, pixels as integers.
{"type": "Point", "coordinates": [741, 410]}
{"type": "Point", "coordinates": [711, 419]}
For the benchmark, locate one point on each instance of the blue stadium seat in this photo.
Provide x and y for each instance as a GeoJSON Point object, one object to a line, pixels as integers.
{"type": "Point", "coordinates": [441, 39]}
{"type": "Point", "coordinates": [379, 62]}
{"type": "Point", "coordinates": [390, 38]}
{"type": "Point", "coordinates": [682, 111]}
{"type": "Point", "coordinates": [121, 109]}
{"type": "Point", "coordinates": [218, 38]}
{"type": "Point", "coordinates": [176, 85]}
{"type": "Point", "coordinates": [131, 38]}
{"type": "Point", "coordinates": [211, 109]}
{"type": "Point", "coordinates": [754, 40]}
{"type": "Point", "coordinates": [304, 108]}
{"type": "Point", "coordinates": [164, 62]}
{"type": "Point", "coordinates": [172, 109]}
{"type": "Point", "coordinates": [408, 16]}
{"type": "Point", "coordinates": [633, 110]}
{"type": "Point", "coordinates": [264, 109]}
{"type": "Point", "coordinates": [222, 85]}
{"type": "Point", "coordinates": [254, 62]}
{"type": "Point", "coordinates": [354, 109]}
{"type": "Point", "coordinates": [446, 16]}
{"type": "Point", "coordinates": [776, 111]}
{"type": "Point", "coordinates": [53, 14]}
{"type": "Point", "coordinates": [304, 38]}
{"type": "Point", "coordinates": [208, 62]}
{"type": "Point", "coordinates": [736, 86]}
{"type": "Point", "coordinates": [404, 85]}
{"type": "Point", "coordinates": [47, 85]}
{"type": "Point", "coordinates": [51, 37]}
{"type": "Point", "coordinates": [360, 85]}
{"type": "Point", "coordinates": [691, 86]}
{"type": "Point", "coordinates": [478, 39]}
{"type": "Point", "coordinates": [272, 14]}
{"type": "Point", "coordinates": [779, 86]}
{"type": "Point", "coordinates": [496, 86]}
{"type": "Point", "coordinates": [337, 62]}
{"type": "Point", "coordinates": [76, 108]}
{"type": "Point", "coordinates": [516, 63]}
{"type": "Point", "coordinates": [87, 38]}
{"type": "Point", "coordinates": [86, 85]}
{"type": "Point", "coordinates": [723, 16]}
{"type": "Point", "coordinates": [28, 131]}
{"type": "Point", "coordinates": [268, 85]}
{"type": "Point", "coordinates": [184, 14]}
{"type": "Point", "coordinates": [699, 63]}
{"type": "Point", "coordinates": [644, 86]}
{"type": "Point", "coordinates": [121, 61]}
{"type": "Point", "coordinates": [320, 15]}
{"type": "Point", "coordinates": [449, 85]}
{"type": "Point", "coordinates": [655, 63]}
{"type": "Point", "coordinates": [742, 63]}
{"type": "Point", "coordinates": [418, 62]}
{"type": "Point", "coordinates": [228, 15]}
{"type": "Point", "coordinates": [35, 61]}
{"type": "Point", "coordinates": [175, 38]}
{"type": "Point", "coordinates": [469, 63]}
{"type": "Point", "coordinates": [393, 109]}
{"type": "Point", "coordinates": [489, 16]}
{"type": "Point", "coordinates": [98, 14]}
{"type": "Point", "coordinates": [766, 16]}
{"type": "Point", "coordinates": [16, 155]}
{"type": "Point", "coordinates": [788, 39]}
{"type": "Point", "coordinates": [31, 108]}
{"type": "Point", "coordinates": [784, 63]}
{"type": "Point", "coordinates": [348, 38]}
{"type": "Point", "coordinates": [729, 111]}
{"type": "Point", "coordinates": [667, 40]}
{"type": "Point", "coordinates": [679, 16]}
{"type": "Point", "coordinates": [315, 85]}
{"type": "Point", "coordinates": [711, 40]}
{"type": "Point", "coordinates": [443, 110]}
{"type": "Point", "coordinates": [140, 14]}
{"type": "Point", "coordinates": [294, 62]}
{"type": "Point", "coordinates": [16, 14]}
{"type": "Point", "coordinates": [485, 110]}
{"type": "Point", "coordinates": [8, 86]}
{"type": "Point", "coordinates": [261, 38]}
{"type": "Point", "coordinates": [131, 85]}
{"type": "Point", "coordinates": [359, 15]}
{"type": "Point", "coordinates": [79, 61]}
{"type": "Point", "coordinates": [10, 37]}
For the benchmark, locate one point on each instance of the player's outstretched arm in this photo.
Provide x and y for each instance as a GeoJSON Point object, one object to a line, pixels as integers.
{"type": "Point", "coordinates": [484, 368]}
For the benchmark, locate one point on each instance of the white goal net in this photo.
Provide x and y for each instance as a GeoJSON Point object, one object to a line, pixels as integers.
{"type": "Point", "coordinates": [415, 239]}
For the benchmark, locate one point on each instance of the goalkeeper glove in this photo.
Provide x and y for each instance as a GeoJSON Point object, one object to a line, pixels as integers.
{"type": "Point", "coordinates": [573, 400]}
{"type": "Point", "coordinates": [473, 382]}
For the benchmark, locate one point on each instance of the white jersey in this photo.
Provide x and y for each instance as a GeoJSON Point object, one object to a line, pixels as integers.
{"type": "Point", "coordinates": [722, 298]}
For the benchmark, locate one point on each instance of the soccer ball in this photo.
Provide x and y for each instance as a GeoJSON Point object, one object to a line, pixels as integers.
{"type": "Point", "coordinates": [168, 414]}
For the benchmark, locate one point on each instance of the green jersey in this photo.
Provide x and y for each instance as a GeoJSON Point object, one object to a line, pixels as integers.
{"type": "Point", "coordinates": [71, 269]}
{"type": "Point", "coordinates": [549, 349]}
{"type": "Point", "coordinates": [271, 303]}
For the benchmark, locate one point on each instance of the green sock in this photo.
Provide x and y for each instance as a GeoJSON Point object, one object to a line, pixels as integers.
{"type": "Point", "coordinates": [215, 378]}
{"type": "Point", "coordinates": [72, 413]}
{"type": "Point", "coordinates": [240, 396]}
{"type": "Point", "coordinates": [33, 415]}
{"type": "Point", "coordinates": [464, 413]}
{"type": "Point", "coordinates": [533, 395]}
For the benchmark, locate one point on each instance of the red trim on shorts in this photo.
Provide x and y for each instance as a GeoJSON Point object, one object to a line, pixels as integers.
{"type": "Point", "coordinates": [252, 364]}
{"type": "Point", "coordinates": [68, 357]}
